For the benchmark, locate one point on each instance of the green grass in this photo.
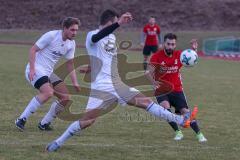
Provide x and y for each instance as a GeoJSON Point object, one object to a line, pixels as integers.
{"type": "Point", "coordinates": [126, 133]}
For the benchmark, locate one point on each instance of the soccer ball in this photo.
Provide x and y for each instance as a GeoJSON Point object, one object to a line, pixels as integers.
{"type": "Point", "coordinates": [189, 58]}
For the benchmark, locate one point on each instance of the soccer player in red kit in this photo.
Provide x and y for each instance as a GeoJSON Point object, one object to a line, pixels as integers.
{"type": "Point", "coordinates": [150, 39]}
{"type": "Point", "coordinates": [164, 68]}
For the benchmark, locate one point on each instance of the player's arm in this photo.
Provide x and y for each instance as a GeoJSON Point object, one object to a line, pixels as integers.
{"type": "Point", "coordinates": [73, 76]}
{"type": "Point", "coordinates": [160, 38]}
{"type": "Point", "coordinates": [32, 58]}
{"type": "Point", "coordinates": [125, 18]}
{"type": "Point", "coordinates": [70, 66]}
{"type": "Point", "coordinates": [42, 42]}
{"type": "Point", "coordinates": [150, 75]}
{"type": "Point", "coordinates": [104, 32]}
{"type": "Point", "coordinates": [143, 37]}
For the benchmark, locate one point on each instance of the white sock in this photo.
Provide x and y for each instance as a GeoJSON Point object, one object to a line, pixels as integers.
{"type": "Point", "coordinates": [51, 113]}
{"type": "Point", "coordinates": [71, 130]}
{"type": "Point", "coordinates": [33, 105]}
{"type": "Point", "coordinates": [163, 113]}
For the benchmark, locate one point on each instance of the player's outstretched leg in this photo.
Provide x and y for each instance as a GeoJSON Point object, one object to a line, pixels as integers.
{"type": "Point", "coordinates": [146, 103]}
{"type": "Point", "coordinates": [161, 112]}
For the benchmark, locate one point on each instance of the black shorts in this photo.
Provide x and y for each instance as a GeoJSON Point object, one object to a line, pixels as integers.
{"type": "Point", "coordinates": [147, 50]}
{"type": "Point", "coordinates": [175, 99]}
{"type": "Point", "coordinates": [53, 79]}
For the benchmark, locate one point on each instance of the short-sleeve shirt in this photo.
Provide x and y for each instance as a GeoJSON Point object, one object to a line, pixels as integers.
{"type": "Point", "coordinates": [168, 68]}
{"type": "Point", "coordinates": [152, 33]}
{"type": "Point", "coordinates": [52, 48]}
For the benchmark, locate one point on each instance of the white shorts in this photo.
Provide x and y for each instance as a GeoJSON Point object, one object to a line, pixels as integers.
{"type": "Point", "coordinates": [52, 78]}
{"type": "Point", "coordinates": [105, 95]}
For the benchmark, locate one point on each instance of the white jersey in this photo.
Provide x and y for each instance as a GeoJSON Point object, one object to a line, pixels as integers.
{"type": "Point", "coordinates": [103, 55]}
{"type": "Point", "coordinates": [106, 82]}
{"type": "Point", "coordinates": [52, 48]}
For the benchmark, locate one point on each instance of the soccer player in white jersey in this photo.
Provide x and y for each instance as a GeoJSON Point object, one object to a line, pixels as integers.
{"type": "Point", "coordinates": [101, 46]}
{"type": "Point", "coordinates": [43, 56]}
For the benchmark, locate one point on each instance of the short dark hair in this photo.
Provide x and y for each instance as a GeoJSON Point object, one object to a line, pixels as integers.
{"type": "Point", "coordinates": [107, 15]}
{"type": "Point", "coordinates": [170, 36]}
{"type": "Point", "coordinates": [69, 21]}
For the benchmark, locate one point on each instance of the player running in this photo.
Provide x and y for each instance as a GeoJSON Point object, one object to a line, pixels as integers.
{"type": "Point", "coordinates": [168, 62]}
{"type": "Point", "coordinates": [43, 56]}
{"type": "Point", "coordinates": [101, 45]}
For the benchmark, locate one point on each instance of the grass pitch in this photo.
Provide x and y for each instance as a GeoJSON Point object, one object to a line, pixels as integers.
{"type": "Point", "coordinates": [125, 133]}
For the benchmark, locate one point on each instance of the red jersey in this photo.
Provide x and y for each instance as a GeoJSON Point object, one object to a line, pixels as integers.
{"type": "Point", "coordinates": [151, 34]}
{"type": "Point", "coordinates": [170, 68]}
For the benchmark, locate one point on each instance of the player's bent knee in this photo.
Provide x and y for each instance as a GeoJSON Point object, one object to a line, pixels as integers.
{"type": "Point", "coordinates": [46, 94]}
